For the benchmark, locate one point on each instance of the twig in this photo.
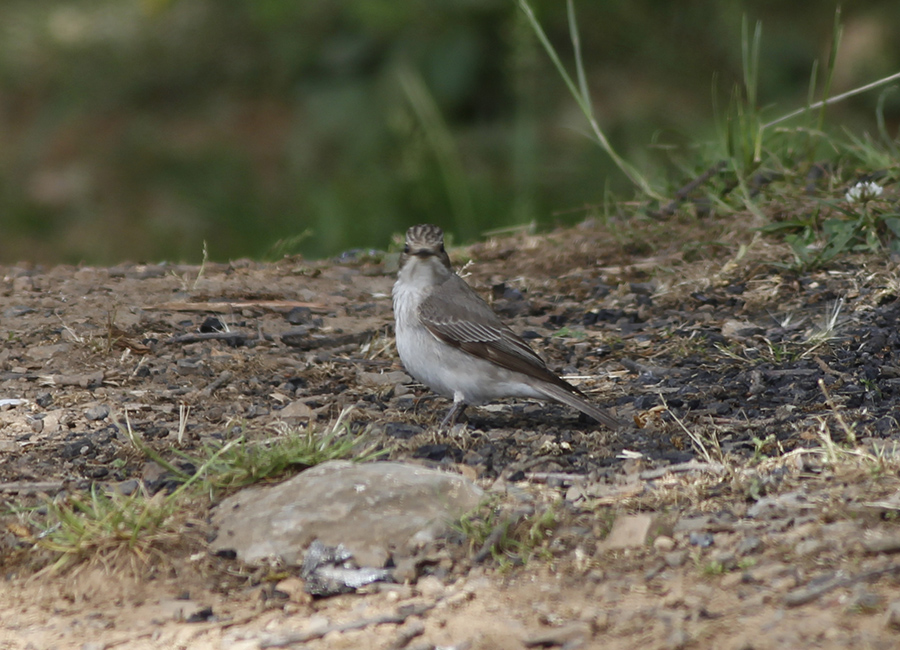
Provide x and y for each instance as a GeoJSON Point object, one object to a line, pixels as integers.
{"type": "Point", "coordinates": [563, 478]}
{"type": "Point", "coordinates": [85, 380]}
{"type": "Point", "coordinates": [519, 467]}
{"type": "Point", "coordinates": [231, 337]}
{"type": "Point", "coordinates": [806, 595]}
{"type": "Point", "coordinates": [32, 486]}
{"type": "Point", "coordinates": [229, 307]}
{"type": "Point", "coordinates": [669, 209]}
{"type": "Point", "coordinates": [220, 381]}
{"type": "Point", "coordinates": [851, 437]}
{"type": "Point", "coordinates": [698, 443]}
{"type": "Point", "coordinates": [690, 466]}
{"type": "Point", "coordinates": [647, 369]}
{"type": "Point", "coordinates": [407, 634]}
{"type": "Point", "coordinates": [317, 633]}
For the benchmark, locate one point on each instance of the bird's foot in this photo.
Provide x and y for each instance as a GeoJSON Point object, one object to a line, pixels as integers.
{"type": "Point", "coordinates": [452, 415]}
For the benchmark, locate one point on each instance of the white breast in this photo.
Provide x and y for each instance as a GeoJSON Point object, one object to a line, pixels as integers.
{"type": "Point", "coordinates": [443, 368]}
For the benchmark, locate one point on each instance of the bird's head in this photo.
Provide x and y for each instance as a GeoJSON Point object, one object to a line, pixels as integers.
{"type": "Point", "coordinates": [424, 259]}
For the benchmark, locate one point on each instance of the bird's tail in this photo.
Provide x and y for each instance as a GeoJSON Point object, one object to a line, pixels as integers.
{"type": "Point", "coordinates": [560, 394]}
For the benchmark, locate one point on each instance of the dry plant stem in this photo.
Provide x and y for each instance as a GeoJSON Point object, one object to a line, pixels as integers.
{"type": "Point", "coordinates": [669, 209]}
{"type": "Point", "coordinates": [806, 595]}
{"type": "Point", "coordinates": [317, 633]}
{"type": "Point", "coordinates": [278, 306]}
{"type": "Point", "coordinates": [690, 466]}
{"type": "Point", "coordinates": [851, 437]}
{"type": "Point", "coordinates": [32, 486]}
{"type": "Point", "coordinates": [198, 629]}
{"type": "Point", "coordinates": [202, 267]}
{"type": "Point", "coordinates": [833, 100]}
{"type": "Point", "coordinates": [224, 378]}
{"type": "Point", "coordinates": [407, 634]}
{"type": "Point", "coordinates": [698, 443]}
{"type": "Point", "coordinates": [518, 467]}
{"type": "Point", "coordinates": [196, 337]}
{"type": "Point", "coordinates": [562, 478]}
{"type": "Point", "coordinates": [183, 411]}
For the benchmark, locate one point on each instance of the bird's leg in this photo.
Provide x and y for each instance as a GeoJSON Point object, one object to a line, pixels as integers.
{"type": "Point", "coordinates": [453, 414]}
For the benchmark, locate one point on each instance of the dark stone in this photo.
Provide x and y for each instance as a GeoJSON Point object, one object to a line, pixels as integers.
{"type": "Point", "coordinates": [603, 316]}
{"type": "Point", "coordinates": [299, 316]}
{"type": "Point", "coordinates": [644, 402]}
{"type": "Point", "coordinates": [127, 488]}
{"type": "Point", "coordinates": [202, 616]}
{"type": "Point", "coordinates": [83, 446]}
{"type": "Point", "coordinates": [96, 472]}
{"type": "Point", "coordinates": [212, 324]}
{"type": "Point", "coordinates": [14, 312]}
{"type": "Point", "coordinates": [557, 320]}
{"type": "Point", "coordinates": [750, 544]}
{"type": "Point", "coordinates": [297, 382]}
{"type": "Point", "coordinates": [438, 452]}
{"type": "Point", "coordinates": [402, 430]}
{"type": "Point", "coordinates": [503, 292]}
{"type": "Point", "coordinates": [701, 539]}
{"type": "Point", "coordinates": [98, 412]}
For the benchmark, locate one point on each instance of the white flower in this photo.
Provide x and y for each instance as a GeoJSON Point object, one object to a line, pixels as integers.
{"type": "Point", "coordinates": [863, 192]}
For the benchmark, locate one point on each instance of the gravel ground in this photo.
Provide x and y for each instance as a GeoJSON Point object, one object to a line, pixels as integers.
{"type": "Point", "coordinates": [750, 503]}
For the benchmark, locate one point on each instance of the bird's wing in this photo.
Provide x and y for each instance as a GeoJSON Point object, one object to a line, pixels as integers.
{"type": "Point", "coordinates": [456, 315]}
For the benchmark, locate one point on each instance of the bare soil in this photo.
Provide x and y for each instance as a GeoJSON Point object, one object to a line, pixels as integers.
{"type": "Point", "coordinates": [750, 503]}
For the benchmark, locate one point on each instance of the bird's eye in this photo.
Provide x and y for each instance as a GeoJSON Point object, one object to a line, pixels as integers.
{"type": "Point", "coordinates": [442, 248]}
{"type": "Point", "coordinates": [406, 249]}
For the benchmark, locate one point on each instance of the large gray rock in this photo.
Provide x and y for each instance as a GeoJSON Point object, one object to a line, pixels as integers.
{"type": "Point", "coordinates": [373, 509]}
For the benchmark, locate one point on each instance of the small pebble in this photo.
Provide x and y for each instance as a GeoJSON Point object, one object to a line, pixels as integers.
{"type": "Point", "coordinates": [892, 619]}
{"type": "Point", "coordinates": [865, 601]}
{"type": "Point", "coordinates": [98, 412]}
{"type": "Point", "coordinates": [749, 545]}
{"type": "Point", "coordinates": [725, 559]}
{"type": "Point", "coordinates": [430, 587]}
{"type": "Point", "coordinates": [676, 558]}
{"type": "Point", "coordinates": [703, 540]}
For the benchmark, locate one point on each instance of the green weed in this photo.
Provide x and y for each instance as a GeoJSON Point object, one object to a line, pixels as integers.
{"type": "Point", "coordinates": [510, 538]}
{"type": "Point", "coordinates": [241, 462]}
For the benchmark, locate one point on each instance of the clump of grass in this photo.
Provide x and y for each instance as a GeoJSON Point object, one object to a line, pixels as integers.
{"type": "Point", "coordinates": [287, 246]}
{"type": "Point", "coordinates": [773, 171]}
{"type": "Point", "coordinates": [103, 523]}
{"type": "Point", "coordinates": [241, 462]}
{"type": "Point", "coordinates": [712, 569]}
{"type": "Point", "coordinates": [510, 538]}
{"type": "Point", "coordinates": [99, 523]}
{"type": "Point", "coordinates": [246, 463]}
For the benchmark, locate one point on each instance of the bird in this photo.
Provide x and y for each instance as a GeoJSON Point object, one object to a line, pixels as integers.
{"type": "Point", "coordinates": [450, 339]}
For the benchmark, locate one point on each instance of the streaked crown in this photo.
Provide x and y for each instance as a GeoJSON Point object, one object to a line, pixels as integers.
{"type": "Point", "coordinates": [424, 238]}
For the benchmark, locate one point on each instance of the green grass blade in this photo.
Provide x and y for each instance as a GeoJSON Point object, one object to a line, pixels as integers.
{"type": "Point", "coordinates": [438, 135]}
{"type": "Point", "coordinates": [836, 32]}
{"type": "Point", "coordinates": [633, 175]}
{"type": "Point", "coordinates": [579, 63]}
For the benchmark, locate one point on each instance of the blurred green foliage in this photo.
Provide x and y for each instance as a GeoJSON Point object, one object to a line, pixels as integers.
{"type": "Point", "coordinates": [137, 129]}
